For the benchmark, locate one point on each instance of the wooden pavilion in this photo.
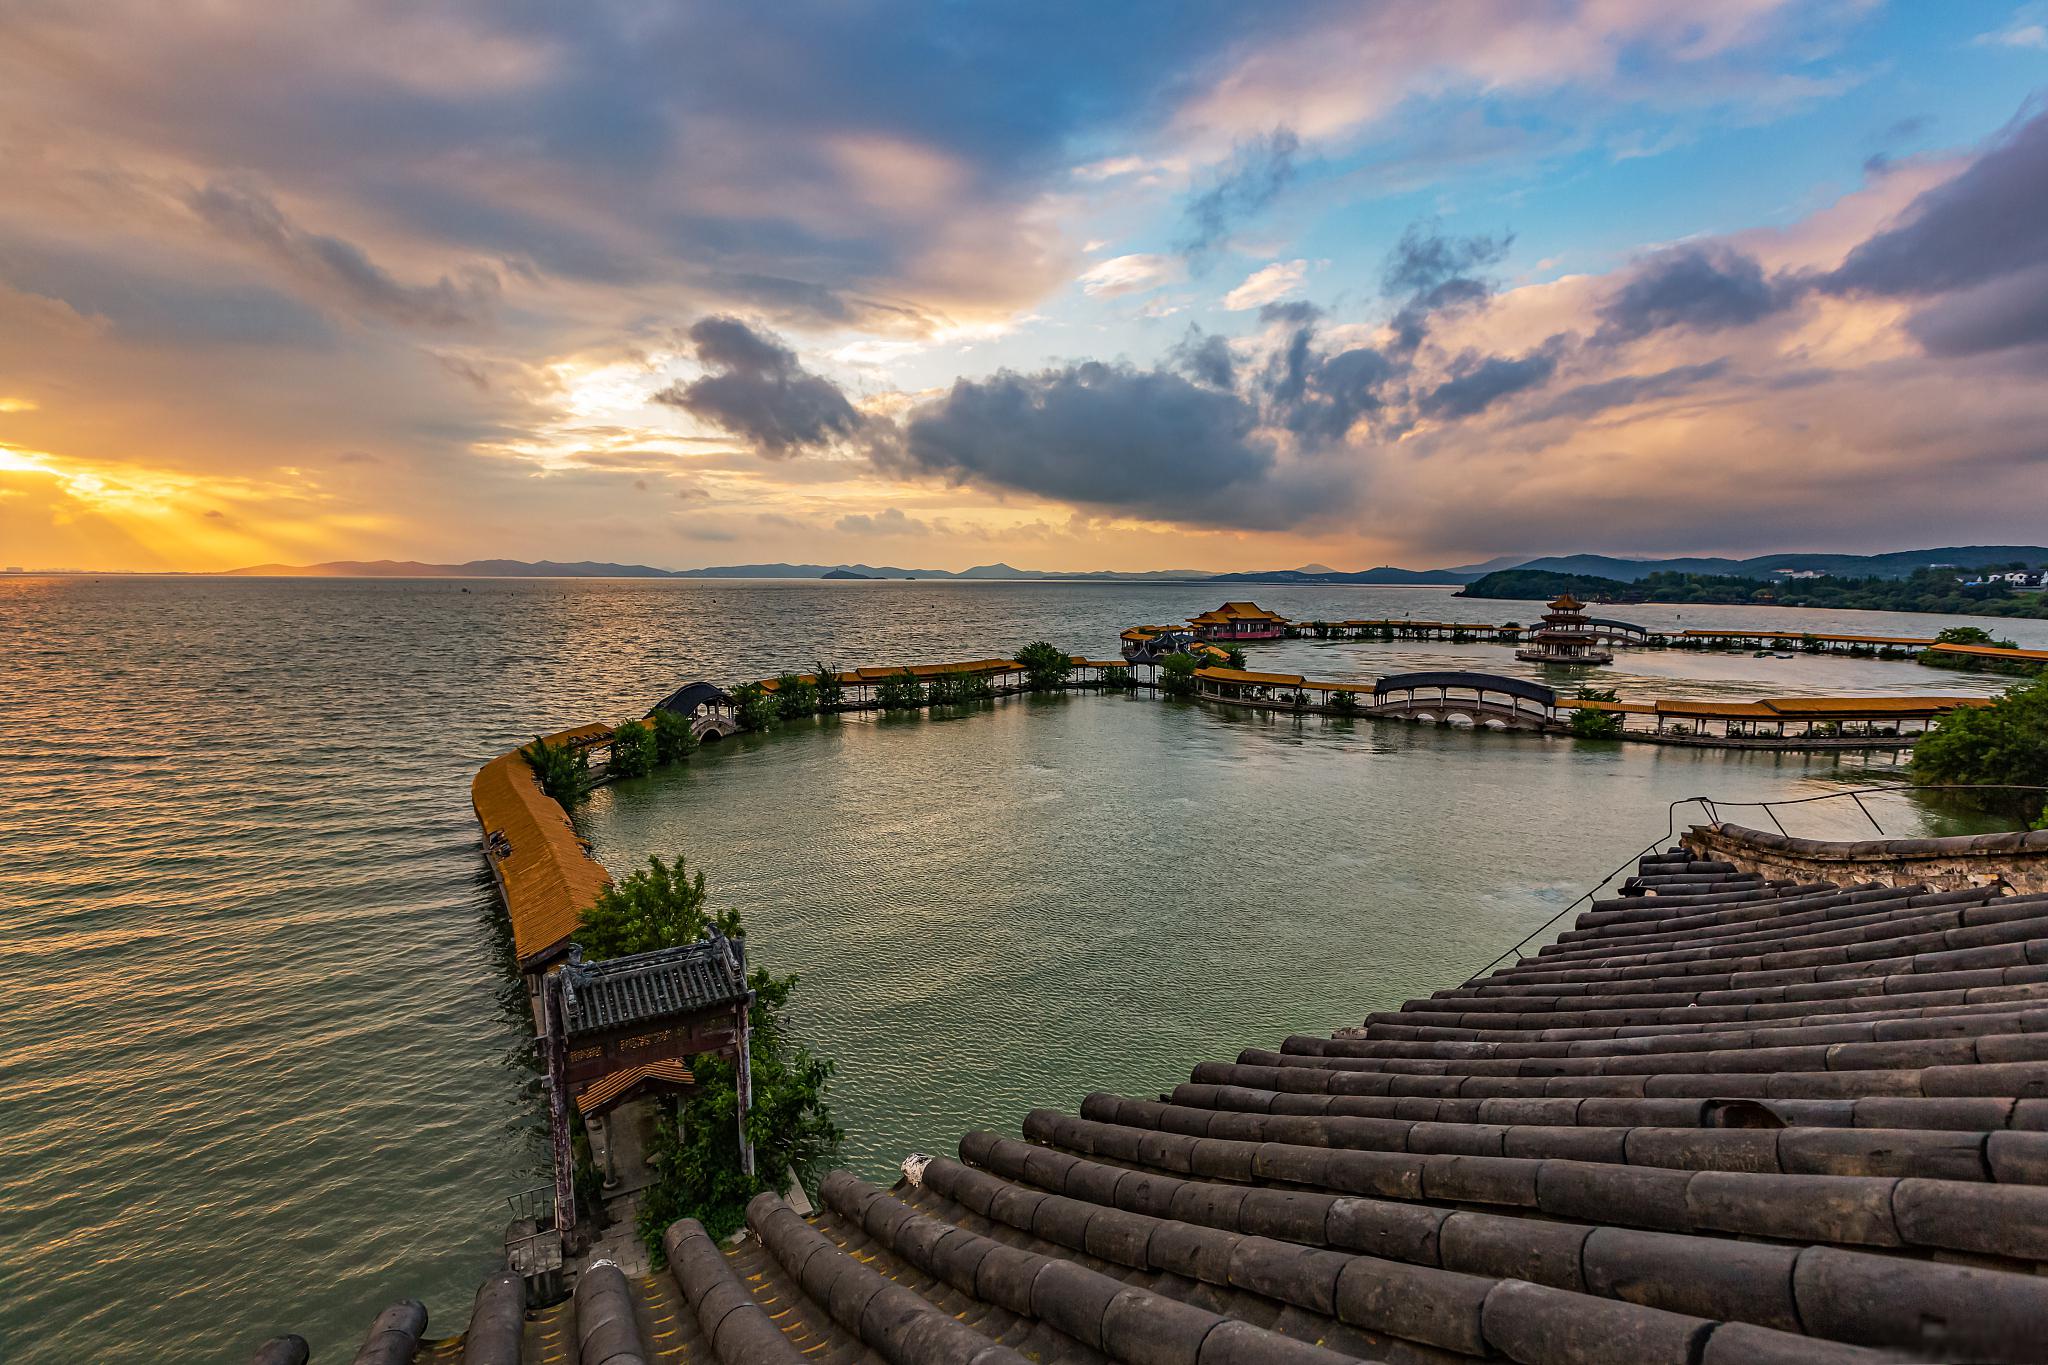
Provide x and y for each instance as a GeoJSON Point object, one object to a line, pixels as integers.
{"type": "Point", "coordinates": [1567, 636]}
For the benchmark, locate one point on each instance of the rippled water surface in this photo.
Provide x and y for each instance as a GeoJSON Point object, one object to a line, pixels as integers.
{"type": "Point", "coordinates": [260, 1072]}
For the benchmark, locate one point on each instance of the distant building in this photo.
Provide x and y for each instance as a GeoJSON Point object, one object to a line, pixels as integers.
{"type": "Point", "coordinates": [1799, 573]}
{"type": "Point", "coordinates": [1567, 636]}
{"type": "Point", "coordinates": [16, 568]}
{"type": "Point", "coordinates": [1239, 621]}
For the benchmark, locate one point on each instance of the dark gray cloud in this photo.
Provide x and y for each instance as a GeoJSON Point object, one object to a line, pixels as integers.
{"type": "Point", "coordinates": [1430, 272]}
{"type": "Point", "coordinates": [1143, 442]}
{"type": "Point", "coordinates": [1258, 171]}
{"type": "Point", "coordinates": [1426, 258]}
{"type": "Point", "coordinates": [342, 269]}
{"type": "Point", "coordinates": [1477, 382]}
{"type": "Point", "coordinates": [1975, 246]}
{"type": "Point", "coordinates": [1994, 316]}
{"type": "Point", "coordinates": [1205, 358]}
{"type": "Point", "coordinates": [758, 391]}
{"type": "Point", "coordinates": [1587, 400]}
{"type": "Point", "coordinates": [155, 304]}
{"type": "Point", "coordinates": [1705, 287]}
{"type": "Point", "coordinates": [1339, 390]}
{"type": "Point", "coordinates": [1986, 222]}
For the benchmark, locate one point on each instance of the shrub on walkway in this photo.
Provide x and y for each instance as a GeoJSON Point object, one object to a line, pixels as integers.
{"type": "Point", "coordinates": [633, 750]}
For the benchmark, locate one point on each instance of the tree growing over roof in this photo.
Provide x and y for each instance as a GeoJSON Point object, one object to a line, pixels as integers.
{"type": "Point", "coordinates": [675, 738]}
{"type": "Point", "coordinates": [2003, 743]}
{"type": "Point", "coordinates": [695, 1152]}
{"type": "Point", "coordinates": [1971, 635]}
{"type": "Point", "coordinates": [902, 692]}
{"type": "Point", "coordinates": [1046, 665]}
{"type": "Point", "coordinates": [831, 692]}
{"type": "Point", "coordinates": [1233, 656]}
{"type": "Point", "coordinates": [658, 906]}
{"type": "Point", "coordinates": [633, 751]}
{"type": "Point", "coordinates": [1177, 675]}
{"type": "Point", "coordinates": [795, 696]}
{"type": "Point", "coordinates": [756, 706]}
{"type": "Point", "coordinates": [563, 770]}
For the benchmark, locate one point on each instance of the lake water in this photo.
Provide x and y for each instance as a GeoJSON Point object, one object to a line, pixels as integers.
{"type": "Point", "coordinates": [262, 1072]}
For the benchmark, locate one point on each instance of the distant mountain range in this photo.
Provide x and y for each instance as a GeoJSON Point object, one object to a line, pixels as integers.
{"type": "Point", "coordinates": [1898, 564]}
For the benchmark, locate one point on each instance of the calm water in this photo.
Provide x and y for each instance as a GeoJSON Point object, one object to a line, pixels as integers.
{"type": "Point", "coordinates": [260, 1072]}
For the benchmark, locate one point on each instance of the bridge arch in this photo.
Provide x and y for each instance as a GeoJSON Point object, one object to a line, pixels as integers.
{"type": "Point", "coordinates": [1479, 699]}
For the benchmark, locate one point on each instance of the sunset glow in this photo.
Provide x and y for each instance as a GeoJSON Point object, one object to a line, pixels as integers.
{"type": "Point", "coordinates": [1410, 284]}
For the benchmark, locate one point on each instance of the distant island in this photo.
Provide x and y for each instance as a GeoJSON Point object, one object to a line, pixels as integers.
{"type": "Point", "coordinates": [1923, 590]}
{"type": "Point", "coordinates": [1772, 572]}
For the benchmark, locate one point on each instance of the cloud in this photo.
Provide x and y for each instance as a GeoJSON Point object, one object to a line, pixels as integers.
{"type": "Point", "coordinates": [1432, 273]}
{"type": "Point", "coordinates": [1479, 382]}
{"type": "Point", "coordinates": [1205, 358]}
{"type": "Point", "coordinates": [1326, 398]}
{"type": "Point", "coordinates": [1977, 239]}
{"type": "Point", "coordinates": [341, 269]}
{"type": "Point", "coordinates": [1267, 284]}
{"type": "Point", "coordinates": [889, 522]}
{"type": "Point", "coordinates": [1121, 275]}
{"type": "Point", "coordinates": [757, 390]}
{"type": "Point", "coordinates": [1588, 400]}
{"type": "Point", "coordinates": [1426, 258]}
{"type": "Point", "coordinates": [2019, 33]}
{"type": "Point", "coordinates": [1144, 443]}
{"type": "Point", "coordinates": [1704, 287]}
{"type": "Point", "coordinates": [1259, 169]}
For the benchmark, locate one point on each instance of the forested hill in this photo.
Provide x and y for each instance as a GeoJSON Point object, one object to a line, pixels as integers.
{"type": "Point", "coordinates": [1929, 590]}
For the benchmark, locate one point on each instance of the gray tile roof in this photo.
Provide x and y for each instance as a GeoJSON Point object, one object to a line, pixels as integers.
{"type": "Point", "coordinates": [1723, 1120]}
{"type": "Point", "coordinates": [647, 987]}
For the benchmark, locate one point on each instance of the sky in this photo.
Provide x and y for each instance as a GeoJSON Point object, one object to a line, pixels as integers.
{"type": "Point", "coordinates": [1067, 286]}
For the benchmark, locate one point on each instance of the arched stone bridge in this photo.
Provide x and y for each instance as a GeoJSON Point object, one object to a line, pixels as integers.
{"type": "Point", "coordinates": [1442, 697]}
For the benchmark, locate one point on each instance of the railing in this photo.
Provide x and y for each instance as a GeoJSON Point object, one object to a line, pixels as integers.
{"type": "Point", "coordinates": [1712, 808]}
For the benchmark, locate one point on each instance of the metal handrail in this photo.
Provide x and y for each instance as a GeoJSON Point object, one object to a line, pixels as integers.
{"type": "Point", "coordinates": [1712, 808]}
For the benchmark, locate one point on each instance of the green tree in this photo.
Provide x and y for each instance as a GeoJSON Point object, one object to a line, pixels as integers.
{"type": "Point", "coordinates": [1177, 675]}
{"type": "Point", "coordinates": [976, 687]}
{"type": "Point", "coordinates": [901, 692]}
{"type": "Point", "coordinates": [944, 690]}
{"type": "Point", "coordinates": [1118, 678]}
{"type": "Point", "coordinates": [2005, 742]}
{"type": "Point", "coordinates": [756, 705]}
{"type": "Point", "coordinates": [1046, 666]}
{"type": "Point", "coordinates": [1233, 657]}
{"type": "Point", "coordinates": [563, 769]}
{"type": "Point", "coordinates": [633, 750]}
{"type": "Point", "coordinates": [658, 906]}
{"type": "Point", "coordinates": [675, 739]}
{"type": "Point", "coordinates": [1971, 635]}
{"type": "Point", "coordinates": [695, 1152]}
{"type": "Point", "coordinates": [1590, 724]}
{"type": "Point", "coordinates": [794, 697]}
{"type": "Point", "coordinates": [831, 691]}
{"type": "Point", "coordinates": [1344, 703]}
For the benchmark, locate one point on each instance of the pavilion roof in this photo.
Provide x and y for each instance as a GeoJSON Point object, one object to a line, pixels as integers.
{"type": "Point", "coordinates": [1239, 675]}
{"type": "Point", "coordinates": [548, 877]}
{"type": "Point", "coordinates": [1994, 652]}
{"type": "Point", "coordinates": [644, 988]}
